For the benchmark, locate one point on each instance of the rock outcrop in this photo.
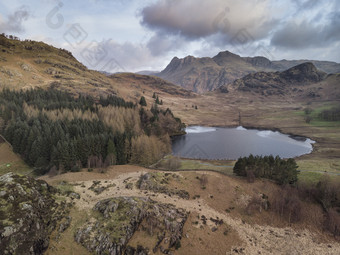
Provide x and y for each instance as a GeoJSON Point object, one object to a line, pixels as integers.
{"type": "Point", "coordinates": [118, 219]}
{"type": "Point", "coordinates": [29, 212]}
{"type": "Point", "coordinates": [156, 182]}
{"type": "Point", "coordinates": [270, 83]}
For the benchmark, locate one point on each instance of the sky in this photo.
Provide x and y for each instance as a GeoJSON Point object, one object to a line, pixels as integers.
{"type": "Point", "coordinates": [135, 35]}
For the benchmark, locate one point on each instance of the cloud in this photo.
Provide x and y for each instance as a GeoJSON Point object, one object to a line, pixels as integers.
{"type": "Point", "coordinates": [162, 44]}
{"type": "Point", "coordinates": [15, 20]}
{"type": "Point", "coordinates": [332, 30]}
{"type": "Point", "coordinates": [293, 35]}
{"type": "Point", "coordinates": [112, 56]}
{"type": "Point", "coordinates": [305, 34]}
{"type": "Point", "coordinates": [307, 4]}
{"type": "Point", "coordinates": [196, 19]}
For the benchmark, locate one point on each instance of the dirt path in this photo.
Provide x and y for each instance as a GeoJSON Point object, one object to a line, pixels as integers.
{"type": "Point", "coordinates": [257, 239]}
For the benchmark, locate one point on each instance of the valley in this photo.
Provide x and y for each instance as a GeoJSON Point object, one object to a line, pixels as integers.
{"type": "Point", "coordinates": [99, 146]}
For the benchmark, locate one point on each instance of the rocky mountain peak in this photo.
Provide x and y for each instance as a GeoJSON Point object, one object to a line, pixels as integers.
{"type": "Point", "coordinates": [188, 59]}
{"type": "Point", "coordinates": [259, 61]}
{"type": "Point", "coordinates": [226, 56]}
{"type": "Point", "coordinates": [306, 72]}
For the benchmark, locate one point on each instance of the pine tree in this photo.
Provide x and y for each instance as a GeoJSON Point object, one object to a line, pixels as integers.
{"type": "Point", "coordinates": [154, 95]}
{"type": "Point", "coordinates": [142, 101]}
{"type": "Point", "coordinates": [111, 157]}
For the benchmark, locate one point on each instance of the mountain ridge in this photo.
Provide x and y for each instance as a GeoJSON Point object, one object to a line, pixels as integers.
{"type": "Point", "coordinates": [207, 74]}
{"type": "Point", "coordinates": [270, 83]}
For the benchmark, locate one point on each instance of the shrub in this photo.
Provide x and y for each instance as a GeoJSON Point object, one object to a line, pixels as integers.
{"type": "Point", "coordinates": [204, 180]}
{"type": "Point", "coordinates": [178, 244]}
{"type": "Point", "coordinates": [308, 119]}
{"type": "Point", "coordinates": [332, 222]}
{"type": "Point", "coordinates": [287, 204]}
{"type": "Point", "coordinates": [308, 110]}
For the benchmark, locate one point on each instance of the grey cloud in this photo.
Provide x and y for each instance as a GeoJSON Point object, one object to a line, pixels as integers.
{"type": "Point", "coordinates": [196, 19]}
{"type": "Point", "coordinates": [305, 34]}
{"type": "Point", "coordinates": [332, 31]}
{"type": "Point", "coordinates": [161, 44]}
{"type": "Point", "coordinates": [113, 57]}
{"type": "Point", "coordinates": [307, 4]}
{"type": "Point", "coordinates": [294, 35]}
{"type": "Point", "coordinates": [15, 21]}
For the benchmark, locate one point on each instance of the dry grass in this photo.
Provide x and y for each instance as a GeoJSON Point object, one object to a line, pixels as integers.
{"type": "Point", "coordinates": [11, 162]}
{"type": "Point", "coordinates": [199, 238]}
{"type": "Point", "coordinates": [66, 244]}
{"type": "Point", "coordinates": [225, 198]}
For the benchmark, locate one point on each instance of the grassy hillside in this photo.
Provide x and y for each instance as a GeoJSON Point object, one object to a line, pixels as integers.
{"type": "Point", "coordinates": [226, 213]}
{"type": "Point", "coordinates": [29, 64]}
{"type": "Point", "coordinates": [11, 162]}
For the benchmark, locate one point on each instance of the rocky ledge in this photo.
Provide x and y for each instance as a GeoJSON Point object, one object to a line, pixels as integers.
{"type": "Point", "coordinates": [116, 220]}
{"type": "Point", "coordinates": [29, 212]}
{"type": "Point", "coordinates": [157, 181]}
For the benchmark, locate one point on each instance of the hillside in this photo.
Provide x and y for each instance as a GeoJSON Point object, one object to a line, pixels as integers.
{"type": "Point", "coordinates": [295, 79]}
{"type": "Point", "coordinates": [30, 64]}
{"type": "Point", "coordinates": [206, 74]}
{"type": "Point", "coordinates": [219, 218]}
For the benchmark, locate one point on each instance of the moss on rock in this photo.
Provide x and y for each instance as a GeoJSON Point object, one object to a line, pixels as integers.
{"type": "Point", "coordinates": [117, 219]}
{"type": "Point", "coordinates": [29, 212]}
{"type": "Point", "coordinates": [157, 182]}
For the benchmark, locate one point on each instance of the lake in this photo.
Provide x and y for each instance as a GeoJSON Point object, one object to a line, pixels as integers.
{"type": "Point", "coordinates": [232, 143]}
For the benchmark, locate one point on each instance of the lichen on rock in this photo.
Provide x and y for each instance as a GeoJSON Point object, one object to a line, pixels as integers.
{"type": "Point", "coordinates": [29, 212]}
{"type": "Point", "coordinates": [116, 220]}
{"type": "Point", "coordinates": [157, 182]}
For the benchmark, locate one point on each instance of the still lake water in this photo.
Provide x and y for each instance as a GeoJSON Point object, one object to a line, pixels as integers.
{"type": "Point", "coordinates": [232, 143]}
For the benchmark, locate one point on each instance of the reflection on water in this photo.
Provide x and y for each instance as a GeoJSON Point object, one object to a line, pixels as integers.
{"type": "Point", "coordinates": [232, 143]}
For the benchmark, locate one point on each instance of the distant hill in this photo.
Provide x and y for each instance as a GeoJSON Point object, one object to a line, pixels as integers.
{"type": "Point", "coordinates": [274, 82]}
{"type": "Point", "coordinates": [206, 74]}
{"type": "Point", "coordinates": [303, 81]}
{"type": "Point", "coordinates": [147, 72]}
{"type": "Point", "coordinates": [145, 82]}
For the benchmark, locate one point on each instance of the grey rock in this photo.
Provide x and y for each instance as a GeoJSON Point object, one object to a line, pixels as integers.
{"type": "Point", "coordinates": [118, 220]}
{"type": "Point", "coordinates": [29, 214]}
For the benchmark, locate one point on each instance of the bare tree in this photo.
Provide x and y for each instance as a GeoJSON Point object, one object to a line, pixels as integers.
{"type": "Point", "coordinates": [204, 180]}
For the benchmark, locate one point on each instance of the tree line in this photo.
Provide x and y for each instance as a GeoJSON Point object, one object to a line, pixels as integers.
{"type": "Point", "coordinates": [52, 129]}
{"type": "Point", "coordinates": [332, 114]}
{"type": "Point", "coordinates": [275, 168]}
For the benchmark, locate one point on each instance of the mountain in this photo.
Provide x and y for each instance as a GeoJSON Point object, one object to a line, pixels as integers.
{"type": "Point", "coordinates": [278, 83]}
{"type": "Point", "coordinates": [206, 74]}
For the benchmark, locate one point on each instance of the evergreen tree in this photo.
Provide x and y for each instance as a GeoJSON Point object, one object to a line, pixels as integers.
{"type": "Point", "coordinates": [280, 170]}
{"type": "Point", "coordinates": [142, 101]}
{"type": "Point", "coordinates": [111, 157]}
